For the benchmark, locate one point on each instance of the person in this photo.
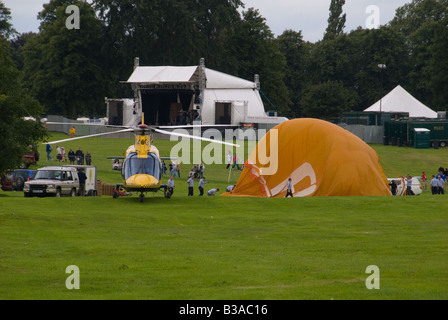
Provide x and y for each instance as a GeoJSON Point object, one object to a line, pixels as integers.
{"type": "Point", "coordinates": [201, 170]}
{"type": "Point", "coordinates": [235, 162]}
{"type": "Point", "coordinates": [116, 165]}
{"type": "Point", "coordinates": [440, 184]}
{"type": "Point", "coordinates": [230, 188]}
{"type": "Point", "coordinates": [71, 156]}
{"type": "Point", "coordinates": [201, 186]}
{"type": "Point", "coordinates": [82, 182]}
{"type": "Point", "coordinates": [190, 182]}
{"type": "Point", "coordinates": [229, 159]}
{"type": "Point", "coordinates": [171, 185]}
{"type": "Point", "coordinates": [424, 181]}
{"type": "Point", "coordinates": [175, 170]}
{"type": "Point", "coordinates": [49, 149]}
{"type": "Point", "coordinates": [79, 156]}
{"type": "Point", "coordinates": [393, 187]}
{"type": "Point", "coordinates": [163, 168]}
{"type": "Point", "coordinates": [58, 153]}
{"type": "Point", "coordinates": [434, 185]}
{"type": "Point", "coordinates": [72, 131]}
{"type": "Point", "coordinates": [171, 168]}
{"type": "Point", "coordinates": [88, 158]}
{"type": "Point", "coordinates": [409, 191]}
{"type": "Point", "coordinates": [178, 169]}
{"type": "Point", "coordinates": [194, 172]}
{"type": "Point", "coordinates": [212, 192]}
{"type": "Point", "coordinates": [289, 189]}
{"type": "Point", "coordinates": [63, 154]}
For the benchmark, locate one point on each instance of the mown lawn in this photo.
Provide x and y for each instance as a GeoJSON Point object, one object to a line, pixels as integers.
{"type": "Point", "coordinates": [226, 248]}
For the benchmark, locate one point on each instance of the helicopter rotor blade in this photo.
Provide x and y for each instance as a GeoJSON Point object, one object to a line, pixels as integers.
{"type": "Point", "coordinates": [195, 137]}
{"type": "Point", "coordinates": [89, 136]}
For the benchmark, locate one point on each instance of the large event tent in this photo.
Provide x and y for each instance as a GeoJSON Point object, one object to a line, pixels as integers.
{"type": "Point", "coordinates": [167, 92]}
{"type": "Point", "coordinates": [400, 101]}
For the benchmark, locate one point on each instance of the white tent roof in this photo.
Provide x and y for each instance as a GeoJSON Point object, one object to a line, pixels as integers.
{"type": "Point", "coordinates": [162, 74]}
{"type": "Point", "coordinates": [170, 74]}
{"type": "Point", "coordinates": [399, 100]}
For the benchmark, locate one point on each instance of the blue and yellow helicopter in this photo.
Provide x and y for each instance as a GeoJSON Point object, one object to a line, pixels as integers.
{"type": "Point", "coordinates": [142, 165]}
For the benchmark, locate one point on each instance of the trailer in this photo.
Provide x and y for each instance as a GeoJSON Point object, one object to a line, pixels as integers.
{"type": "Point", "coordinates": [403, 132]}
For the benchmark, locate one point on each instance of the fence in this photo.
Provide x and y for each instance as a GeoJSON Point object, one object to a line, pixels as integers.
{"type": "Point", "coordinates": [369, 134]}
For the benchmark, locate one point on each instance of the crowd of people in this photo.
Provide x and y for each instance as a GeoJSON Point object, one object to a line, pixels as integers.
{"type": "Point", "coordinates": [438, 181]}
{"type": "Point", "coordinates": [74, 157]}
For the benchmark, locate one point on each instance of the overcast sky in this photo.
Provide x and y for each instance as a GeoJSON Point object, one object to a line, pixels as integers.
{"type": "Point", "coordinates": [308, 16]}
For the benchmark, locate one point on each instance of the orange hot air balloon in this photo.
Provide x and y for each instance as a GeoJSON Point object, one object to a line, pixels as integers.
{"type": "Point", "coordinates": [321, 158]}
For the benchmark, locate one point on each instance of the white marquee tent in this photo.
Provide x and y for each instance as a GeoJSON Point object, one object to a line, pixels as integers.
{"type": "Point", "coordinates": [400, 101]}
{"type": "Point", "coordinates": [226, 99]}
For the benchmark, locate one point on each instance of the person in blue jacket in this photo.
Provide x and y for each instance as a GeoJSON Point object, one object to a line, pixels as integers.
{"type": "Point", "coordinates": [49, 148]}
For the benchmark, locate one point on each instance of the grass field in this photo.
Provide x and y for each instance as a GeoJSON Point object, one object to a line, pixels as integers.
{"type": "Point", "coordinates": [226, 248]}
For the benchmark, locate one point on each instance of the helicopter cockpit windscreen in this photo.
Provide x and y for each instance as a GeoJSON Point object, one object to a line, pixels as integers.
{"type": "Point", "coordinates": [135, 165]}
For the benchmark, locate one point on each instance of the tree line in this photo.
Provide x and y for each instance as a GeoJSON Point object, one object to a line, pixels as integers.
{"type": "Point", "coordinates": [69, 72]}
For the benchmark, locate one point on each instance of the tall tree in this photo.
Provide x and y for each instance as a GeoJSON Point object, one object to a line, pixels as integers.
{"type": "Point", "coordinates": [15, 104]}
{"type": "Point", "coordinates": [327, 99]}
{"type": "Point", "coordinates": [336, 20]}
{"type": "Point", "coordinates": [168, 32]}
{"type": "Point", "coordinates": [6, 28]}
{"type": "Point", "coordinates": [256, 52]}
{"type": "Point", "coordinates": [438, 66]}
{"type": "Point", "coordinates": [296, 52]}
{"type": "Point", "coordinates": [421, 22]}
{"type": "Point", "coordinates": [64, 66]}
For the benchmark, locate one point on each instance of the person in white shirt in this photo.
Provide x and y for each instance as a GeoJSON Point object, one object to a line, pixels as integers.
{"type": "Point", "coordinates": [229, 159]}
{"type": "Point", "coordinates": [171, 185]}
{"type": "Point", "coordinates": [212, 192]}
{"type": "Point", "coordinates": [201, 186]}
{"type": "Point", "coordinates": [190, 182]}
{"type": "Point", "coordinates": [434, 185]}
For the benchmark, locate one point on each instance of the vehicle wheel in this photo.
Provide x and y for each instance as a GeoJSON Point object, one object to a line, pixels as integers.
{"type": "Point", "coordinates": [73, 192]}
{"type": "Point", "coordinates": [58, 193]}
{"type": "Point", "coordinates": [95, 193]}
{"type": "Point", "coordinates": [26, 194]}
{"type": "Point", "coordinates": [442, 144]}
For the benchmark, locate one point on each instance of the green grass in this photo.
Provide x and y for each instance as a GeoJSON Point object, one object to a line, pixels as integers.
{"type": "Point", "coordinates": [223, 247]}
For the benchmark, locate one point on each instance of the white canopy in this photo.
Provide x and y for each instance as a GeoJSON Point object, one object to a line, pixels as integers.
{"type": "Point", "coordinates": [169, 74]}
{"type": "Point", "coordinates": [222, 88]}
{"type": "Point", "coordinates": [401, 101]}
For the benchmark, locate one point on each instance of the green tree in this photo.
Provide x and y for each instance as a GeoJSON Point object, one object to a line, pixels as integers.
{"type": "Point", "coordinates": [296, 52]}
{"type": "Point", "coordinates": [438, 66]}
{"type": "Point", "coordinates": [15, 104]}
{"type": "Point", "coordinates": [422, 22]}
{"type": "Point", "coordinates": [6, 28]}
{"type": "Point", "coordinates": [256, 52]}
{"type": "Point", "coordinates": [64, 67]}
{"type": "Point", "coordinates": [327, 99]}
{"type": "Point", "coordinates": [336, 20]}
{"type": "Point", "coordinates": [168, 32]}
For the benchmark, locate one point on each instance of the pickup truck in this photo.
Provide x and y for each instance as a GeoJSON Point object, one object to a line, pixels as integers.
{"type": "Point", "coordinates": [53, 181]}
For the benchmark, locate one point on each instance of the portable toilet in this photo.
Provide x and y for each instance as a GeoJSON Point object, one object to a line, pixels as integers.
{"type": "Point", "coordinates": [422, 139]}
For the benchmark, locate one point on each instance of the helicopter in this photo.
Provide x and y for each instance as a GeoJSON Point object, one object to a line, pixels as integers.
{"type": "Point", "coordinates": [142, 165]}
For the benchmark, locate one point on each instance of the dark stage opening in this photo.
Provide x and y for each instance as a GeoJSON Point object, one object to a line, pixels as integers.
{"type": "Point", "coordinates": [166, 108]}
